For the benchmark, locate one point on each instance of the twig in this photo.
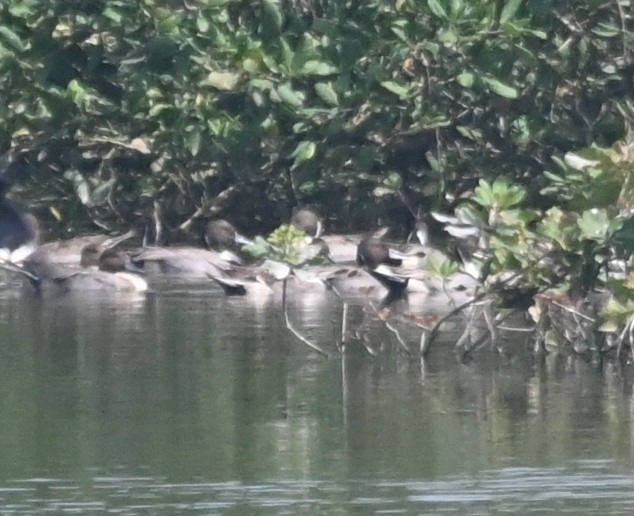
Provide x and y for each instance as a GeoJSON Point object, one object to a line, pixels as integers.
{"type": "Point", "coordinates": [393, 329]}
{"type": "Point", "coordinates": [289, 325]}
{"type": "Point", "coordinates": [517, 330]}
{"type": "Point", "coordinates": [482, 338]}
{"type": "Point", "coordinates": [476, 298]}
{"type": "Point", "coordinates": [573, 311]}
{"type": "Point", "coordinates": [490, 321]}
{"type": "Point", "coordinates": [344, 327]}
{"type": "Point", "coordinates": [120, 144]}
{"type": "Point", "coordinates": [436, 327]}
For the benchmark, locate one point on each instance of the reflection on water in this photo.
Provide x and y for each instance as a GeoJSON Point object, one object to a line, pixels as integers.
{"type": "Point", "coordinates": [192, 402]}
{"type": "Point", "coordinates": [588, 487]}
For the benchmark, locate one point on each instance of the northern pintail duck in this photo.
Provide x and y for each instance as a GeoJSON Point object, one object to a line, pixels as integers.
{"type": "Point", "coordinates": [340, 248]}
{"type": "Point", "coordinates": [107, 271]}
{"type": "Point", "coordinates": [194, 262]}
{"type": "Point", "coordinates": [257, 281]}
{"type": "Point", "coordinates": [308, 221]}
{"type": "Point", "coordinates": [18, 229]}
{"type": "Point", "coordinates": [377, 258]}
{"type": "Point", "coordinates": [51, 257]}
{"type": "Point", "coordinates": [222, 236]}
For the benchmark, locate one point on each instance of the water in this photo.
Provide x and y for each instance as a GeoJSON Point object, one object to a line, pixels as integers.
{"type": "Point", "coordinates": [189, 402]}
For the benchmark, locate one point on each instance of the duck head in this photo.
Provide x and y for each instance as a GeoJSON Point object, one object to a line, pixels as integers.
{"type": "Point", "coordinates": [372, 252]}
{"type": "Point", "coordinates": [308, 221]}
{"type": "Point", "coordinates": [220, 234]}
{"type": "Point", "coordinates": [112, 260]}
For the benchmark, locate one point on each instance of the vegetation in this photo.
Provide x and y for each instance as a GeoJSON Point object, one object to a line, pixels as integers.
{"type": "Point", "coordinates": [516, 113]}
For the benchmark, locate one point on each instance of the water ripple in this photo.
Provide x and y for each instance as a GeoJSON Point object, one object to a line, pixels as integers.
{"type": "Point", "coordinates": [589, 487]}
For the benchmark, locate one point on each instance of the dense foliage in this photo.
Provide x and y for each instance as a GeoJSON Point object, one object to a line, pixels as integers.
{"type": "Point", "coordinates": [250, 107]}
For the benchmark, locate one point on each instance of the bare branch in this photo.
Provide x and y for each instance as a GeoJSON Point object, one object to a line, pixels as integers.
{"type": "Point", "coordinates": [289, 325]}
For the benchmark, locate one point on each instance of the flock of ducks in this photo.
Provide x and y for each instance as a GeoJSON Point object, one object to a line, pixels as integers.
{"type": "Point", "coordinates": [355, 266]}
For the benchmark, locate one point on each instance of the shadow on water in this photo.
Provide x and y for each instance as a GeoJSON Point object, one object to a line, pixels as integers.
{"type": "Point", "coordinates": [191, 402]}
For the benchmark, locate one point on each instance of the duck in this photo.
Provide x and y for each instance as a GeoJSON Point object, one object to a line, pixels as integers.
{"type": "Point", "coordinates": [338, 248]}
{"type": "Point", "coordinates": [258, 282]}
{"type": "Point", "coordinates": [51, 257]}
{"type": "Point", "coordinates": [222, 236]}
{"type": "Point", "coordinates": [19, 232]}
{"type": "Point", "coordinates": [378, 258]}
{"type": "Point", "coordinates": [101, 270]}
{"type": "Point", "coordinates": [308, 221]}
{"type": "Point", "coordinates": [194, 262]}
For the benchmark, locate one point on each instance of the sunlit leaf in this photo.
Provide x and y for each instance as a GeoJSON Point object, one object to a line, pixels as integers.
{"type": "Point", "coordinates": [594, 224]}
{"type": "Point", "coordinates": [326, 92]}
{"type": "Point", "coordinates": [272, 16]}
{"type": "Point", "coordinates": [509, 10]}
{"type": "Point", "coordinates": [225, 81]}
{"type": "Point", "coordinates": [192, 140]}
{"type": "Point", "coordinates": [396, 88]}
{"type": "Point", "coordinates": [11, 39]}
{"type": "Point", "coordinates": [466, 79]}
{"type": "Point", "coordinates": [436, 7]}
{"type": "Point", "coordinates": [577, 162]}
{"type": "Point", "coordinates": [318, 68]}
{"type": "Point", "coordinates": [303, 152]}
{"type": "Point", "coordinates": [290, 96]}
{"type": "Point", "coordinates": [504, 90]}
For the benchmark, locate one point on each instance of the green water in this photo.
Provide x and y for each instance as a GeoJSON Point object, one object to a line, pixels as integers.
{"type": "Point", "coordinates": [188, 402]}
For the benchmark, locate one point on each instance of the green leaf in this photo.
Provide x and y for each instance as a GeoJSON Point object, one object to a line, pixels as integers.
{"type": "Point", "coordinates": [466, 79]}
{"type": "Point", "coordinates": [318, 68]}
{"type": "Point", "coordinates": [225, 81]}
{"type": "Point", "coordinates": [100, 194]}
{"type": "Point", "coordinates": [469, 215]}
{"type": "Point", "coordinates": [440, 266]}
{"type": "Point", "coordinates": [483, 194]}
{"type": "Point", "coordinates": [607, 30]}
{"type": "Point", "coordinates": [11, 39]}
{"type": "Point", "coordinates": [112, 14]}
{"type": "Point", "coordinates": [326, 93]}
{"type": "Point", "coordinates": [304, 151]}
{"type": "Point", "coordinates": [251, 65]}
{"type": "Point", "coordinates": [192, 140]}
{"type": "Point", "coordinates": [258, 248]}
{"type": "Point", "coordinates": [509, 10]}
{"type": "Point", "coordinates": [594, 225]}
{"type": "Point", "coordinates": [290, 96]}
{"type": "Point", "coordinates": [272, 18]}
{"type": "Point", "coordinates": [437, 8]}
{"type": "Point", "coordinates": [202, 23]}
{"type": "Point", "coordinates": [504, 90]}
{"type": "Point", "coordinates": [396, 88]}
{"type": "Point", "coordinates": [157, 109]}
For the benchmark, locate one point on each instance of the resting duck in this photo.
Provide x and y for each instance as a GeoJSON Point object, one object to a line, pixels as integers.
{"type": "Point", "coordinates": [339, 248]}
{"type": "Point", "coordinates": [50, 257]}
{"type": "Point", "coordinates": [107, 271]}
{"type": "Point", "coordinates": [256, 282]}
{"type": "Point", "coordinates": [194, 262]}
